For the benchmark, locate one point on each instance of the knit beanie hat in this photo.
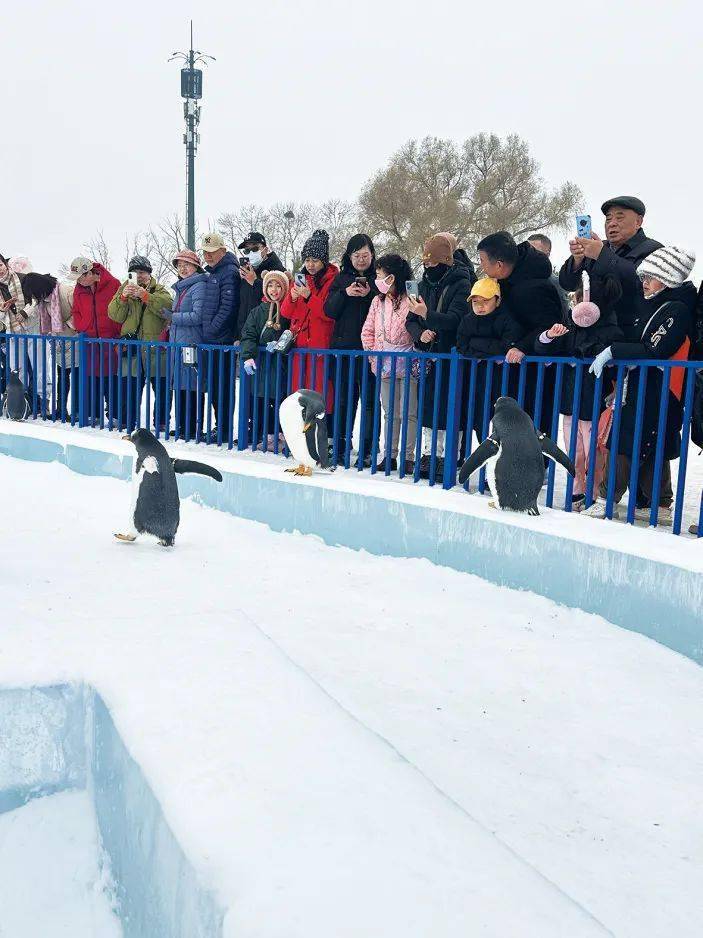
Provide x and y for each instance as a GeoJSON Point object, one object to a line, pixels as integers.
{"type": "Point", "coordinates": [275, 276]}
{"type": "Point", "coordinates": [139, 263]}
{"type": "Point", "coordinates": [21, 265]}
{"type": "Point", "coordinates": [671, 265]}
{"type": "Point", "coordinates": [317, 246]}
{"type": "Point", "coordinates": [438, 250]}
{"type": "Point", "coordinates": [452, 239]}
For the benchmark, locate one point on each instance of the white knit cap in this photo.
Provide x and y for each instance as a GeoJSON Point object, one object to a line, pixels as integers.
{"type": "Point", "coordinates": [670, 265]}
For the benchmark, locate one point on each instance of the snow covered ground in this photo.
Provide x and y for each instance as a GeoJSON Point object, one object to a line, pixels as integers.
{"type": "Point", "coordinates": [50, 881]}
{"type": "Point", "coordinates": [347, 732]}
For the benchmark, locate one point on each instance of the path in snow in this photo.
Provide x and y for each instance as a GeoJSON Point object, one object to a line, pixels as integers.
{"type": "Point", "coordinates": [579, 744]}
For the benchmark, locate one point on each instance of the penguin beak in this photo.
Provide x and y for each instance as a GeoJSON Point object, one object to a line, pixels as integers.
{"type": "Point", "coordinates": [127, 438]}
{"type": "Point", "coordinates": [307, 426]}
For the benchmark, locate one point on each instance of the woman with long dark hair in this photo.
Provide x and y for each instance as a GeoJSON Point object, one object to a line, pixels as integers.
{"type": "Point", "coordinates": [348, 305]}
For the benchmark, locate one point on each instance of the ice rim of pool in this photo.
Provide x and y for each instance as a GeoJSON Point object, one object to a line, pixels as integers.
{"type": "Point", "coordinates": [62, 738]}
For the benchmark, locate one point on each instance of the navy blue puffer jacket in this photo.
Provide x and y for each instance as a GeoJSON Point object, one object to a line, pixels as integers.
{"type": "Point", "coordinates": [221, 303]}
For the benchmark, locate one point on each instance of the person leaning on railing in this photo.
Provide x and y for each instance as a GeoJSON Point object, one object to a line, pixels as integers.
{"type": "Point", "coordinates": [664, 333]}
{"type": "Point", "coordinates": [264, 326]}
{"type": "Point", "coordinates": [385, 330]}
{"type": "Point", "coordinates": [487, 330]}
{"type": "Point", "coordinates": [433, 322]}
{"type": "Point", "coordinates": [304, 306]}
{"type": "Point", "coordinates": [186, 331]}
{"type": "Point", "coordinates": [590, 327]}
{"type": "Point", "coordinates": [139, 308]}
{"type": "Point", "coordinates": [54, 305]}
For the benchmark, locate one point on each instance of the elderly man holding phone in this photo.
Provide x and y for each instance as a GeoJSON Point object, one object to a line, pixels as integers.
{"type": "Point", "coordinates": [626, 246]}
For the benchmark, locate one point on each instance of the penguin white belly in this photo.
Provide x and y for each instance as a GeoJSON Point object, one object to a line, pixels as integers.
{"type": "Point", "coordinates": [491, 476]}
{"type": "Point", "coordinates": [291, 420]}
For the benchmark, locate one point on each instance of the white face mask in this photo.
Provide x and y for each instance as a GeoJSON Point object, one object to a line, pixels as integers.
{"type": "Point", "coordinates": [255, 258]}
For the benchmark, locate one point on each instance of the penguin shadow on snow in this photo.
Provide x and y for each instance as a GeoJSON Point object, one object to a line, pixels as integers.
{"type": "Point", "coordinates": [513, 455]}
{"type": "Point", "coordinates": [303, 421]}
{"type": "Point", "coordinates": [155, 505]}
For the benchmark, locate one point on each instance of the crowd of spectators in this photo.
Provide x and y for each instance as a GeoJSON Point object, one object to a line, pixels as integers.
{"type": "Point", "coordinates": [623, 298]}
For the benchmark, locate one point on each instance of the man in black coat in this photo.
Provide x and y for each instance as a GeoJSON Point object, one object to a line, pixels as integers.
{"type": "Point", "coordinates": [257, 260]}
{"type": "Point", "coordinates": [621, 254]}
{"type": "Point", "coordinates": [533, 302]}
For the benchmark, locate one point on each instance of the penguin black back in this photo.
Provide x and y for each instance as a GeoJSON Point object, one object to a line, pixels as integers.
{"type": "Point", "coordinates": [519, 471]}
{"type": "Point", "coordinates": [157, 505]}
{"type": "Point", "coordinates": [15, 404]}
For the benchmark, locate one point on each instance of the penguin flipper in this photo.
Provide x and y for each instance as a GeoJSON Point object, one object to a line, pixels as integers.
{"type": "Point", "coordinates": [552, 451]}
{"type": "Point", "coordinates": [481, 455]}
{"type": "Point", "coordinates": [188, 465]}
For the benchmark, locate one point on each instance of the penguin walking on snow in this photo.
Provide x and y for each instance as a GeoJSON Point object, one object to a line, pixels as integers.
{"type": "Point", "coordinates": [14, 401]}
{"type": "Point", "coordinates": [513, 455]}
{"type": "Point", "coordinates": [303, 420]}
{"type": "Point", "coordinates": [155, 505]}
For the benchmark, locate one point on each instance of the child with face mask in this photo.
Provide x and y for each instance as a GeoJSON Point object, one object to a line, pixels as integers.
{"type": "Point", "coordinates": [385, 330]}
{"type": "Point", "coordinates": [486, 331]}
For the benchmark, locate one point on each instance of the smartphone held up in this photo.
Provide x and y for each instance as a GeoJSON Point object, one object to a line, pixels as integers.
{"type": "Point", "coordinates": [583, 226]}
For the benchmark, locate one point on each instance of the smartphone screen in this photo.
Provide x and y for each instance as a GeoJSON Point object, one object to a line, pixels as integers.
{"type": "Point", "coordinates": [583, 226]}
{"type": "Point", "coordinates": [360, 281]}
{"type": "Point", "coordinates": [300, 280]}
{"type": "Point", "coordinates": [412, 288]}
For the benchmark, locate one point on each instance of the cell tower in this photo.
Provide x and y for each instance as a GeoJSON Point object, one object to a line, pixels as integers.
{"type": "Point", "coordinates": [191, 92]}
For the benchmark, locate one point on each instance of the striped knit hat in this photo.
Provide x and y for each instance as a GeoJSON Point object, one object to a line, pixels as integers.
{"type": "Point", "coordinates": [670, 265]}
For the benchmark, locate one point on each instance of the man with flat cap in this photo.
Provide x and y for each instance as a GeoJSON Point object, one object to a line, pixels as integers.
{"type": "Point", "coordinates": [626, 246]}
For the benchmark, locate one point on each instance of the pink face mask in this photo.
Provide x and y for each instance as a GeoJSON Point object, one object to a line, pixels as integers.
{"type": "Point", "coordinates": [382, 285]}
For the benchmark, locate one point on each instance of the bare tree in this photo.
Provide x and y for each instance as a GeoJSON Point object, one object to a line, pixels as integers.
{"type": "Point", "coordinates": [484, 185]}
{"type": "Point", "coordinates": [97, 250]}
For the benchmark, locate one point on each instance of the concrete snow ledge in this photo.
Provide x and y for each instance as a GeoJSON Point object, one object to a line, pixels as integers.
{"type": "Point", "coordinates": [656, 598]}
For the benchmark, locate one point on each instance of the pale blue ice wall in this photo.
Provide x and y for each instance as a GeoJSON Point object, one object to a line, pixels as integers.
{"type": "Point", "coordinates": [42, 742]}
{"type": "Point", "coordinates": [54, 738]}
{"type": "Point", "coordinates": [659, 600]}
{"type": "Point", "coordinates": [158, 892]}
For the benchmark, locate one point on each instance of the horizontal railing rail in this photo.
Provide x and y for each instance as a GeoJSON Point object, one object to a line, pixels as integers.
{"type": "Point", "coordinates": [413, 414]}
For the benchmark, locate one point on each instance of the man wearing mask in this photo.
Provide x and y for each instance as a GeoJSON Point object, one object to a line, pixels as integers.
{"type": "Point", "coordinates": [220, 305]}
{"type": "Point", "coordinates": [257, 261]}
{"type": "Point", "coordinates": [626, 247]}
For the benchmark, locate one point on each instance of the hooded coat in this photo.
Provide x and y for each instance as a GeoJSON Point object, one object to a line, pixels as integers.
{"type": "Point", "coordinates": [349, 312]}
{"type": "Point", "coordinates": [530, 295]}
{"type": "Point", "coordinates": [90, 317]}
{"type": "Point", "coordinates": [187, 327]}
{"type": "Point", "coordinates": [446, 306]}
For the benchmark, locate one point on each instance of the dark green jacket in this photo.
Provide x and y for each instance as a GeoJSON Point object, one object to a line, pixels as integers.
{"type": "Point", "coordinates": [142, 321]}
{"type": "Point", "coordinates": [256, 333]}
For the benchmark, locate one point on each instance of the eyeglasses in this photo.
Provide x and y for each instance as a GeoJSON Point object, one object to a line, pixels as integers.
{"type": "Point", "coordinates": [252, 250]}
{"type": "Point", "coordinates": [362, 255]}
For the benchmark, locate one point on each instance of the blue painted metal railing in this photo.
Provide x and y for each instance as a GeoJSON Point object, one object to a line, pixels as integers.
{"type": "Point", "coordinates": [201, 394]}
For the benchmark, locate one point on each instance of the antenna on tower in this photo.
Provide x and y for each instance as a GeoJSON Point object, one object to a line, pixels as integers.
{"type": "Point", "coordinates": [192, 93]}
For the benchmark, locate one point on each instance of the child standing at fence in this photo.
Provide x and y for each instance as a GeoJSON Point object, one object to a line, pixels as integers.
{"type": "Point", "coordinates": [487, 330]}
{"type": "Point", "coordinates": [591, 326]}
{"type": "Point", "coordinates": [384, 330]}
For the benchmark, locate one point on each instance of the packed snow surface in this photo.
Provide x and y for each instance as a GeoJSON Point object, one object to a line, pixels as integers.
{"type": "Point", "coordinates": [351, 745]}
{"type": "Point", "coordinates": [50, 880]}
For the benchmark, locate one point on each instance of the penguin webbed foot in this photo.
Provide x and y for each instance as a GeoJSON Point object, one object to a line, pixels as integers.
{"type": "Point", "coordinates": [126, 538]}
{"type": "Point", "coordinates": [300, 470]}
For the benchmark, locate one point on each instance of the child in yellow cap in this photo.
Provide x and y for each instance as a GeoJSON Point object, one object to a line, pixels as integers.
{"type": "Point", "coordinates": [486, 331]}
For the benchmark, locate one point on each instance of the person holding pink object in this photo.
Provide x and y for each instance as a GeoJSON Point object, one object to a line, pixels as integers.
{"type": "Point", "coordinates": [591, 326]}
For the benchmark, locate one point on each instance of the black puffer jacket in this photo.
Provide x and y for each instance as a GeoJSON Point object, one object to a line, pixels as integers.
{"type": "Point", "coordinates": [663, 329]}
{"type": "Point", "coordinates": [250, 295]}
{"type": "Point", "coordinates": [487, 336]}
{"type": "Point", "coordinates": [584, 343]}
{"type": "Point", "coordinates": [531, 296]}
{"type": "Point", "coordinates": [622, 261]}
{"type": "Point", "coordinates": [349, 312]}
{"type": "Point", "coordinates": [462, 259]}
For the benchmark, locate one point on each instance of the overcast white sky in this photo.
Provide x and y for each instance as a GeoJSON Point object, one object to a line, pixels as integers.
{"type": "Point", "coordinates": [307, 99]}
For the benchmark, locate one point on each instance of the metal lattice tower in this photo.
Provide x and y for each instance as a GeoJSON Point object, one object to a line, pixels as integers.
{"type": "Point", "coordinates": [191, 92]}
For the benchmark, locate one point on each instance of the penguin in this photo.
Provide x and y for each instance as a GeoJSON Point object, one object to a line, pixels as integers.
{"type": "Point", "coordinates": [155, 507]}
{"type": "Point", "coordinates": [514, 458]}
{"type": "Point", "coordinates": [14, 401]}
{"type": "Point", "coordinates": [304, 425]}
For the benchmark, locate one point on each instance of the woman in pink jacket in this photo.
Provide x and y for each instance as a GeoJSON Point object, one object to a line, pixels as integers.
{"type": "Point", "coordinates": [384, 330]}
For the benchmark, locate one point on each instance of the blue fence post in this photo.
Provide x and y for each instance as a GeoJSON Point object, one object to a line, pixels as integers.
{"type": "Point", "coordinates": [451, 442]}
{"type": "Point", "coordinates": [82, 382]}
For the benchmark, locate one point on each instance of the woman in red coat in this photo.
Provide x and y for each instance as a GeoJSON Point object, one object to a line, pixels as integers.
{"type": "Point", "coordinates": [304, 306]}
